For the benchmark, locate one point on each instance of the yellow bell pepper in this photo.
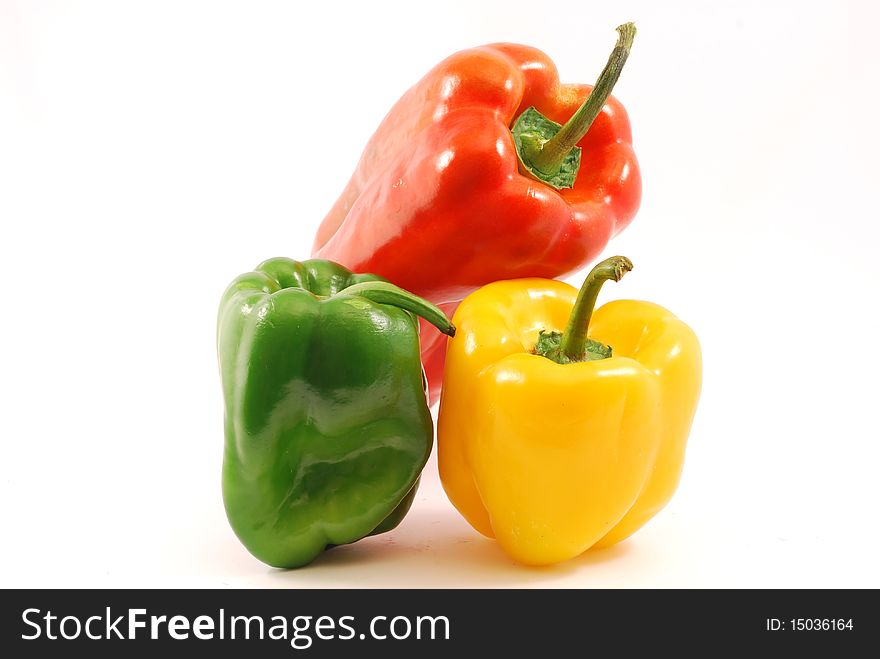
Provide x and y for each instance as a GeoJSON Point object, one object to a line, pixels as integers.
{"type": "Point", "coordinates": [548, 440]}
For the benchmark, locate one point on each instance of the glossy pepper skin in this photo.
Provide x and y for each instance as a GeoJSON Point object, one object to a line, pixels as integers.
{"type": "Point", "coordinates": [438, 204]}
{"type": "Point", "coordinates": [326, 420]}
{"type": "Point", "coordinates": [552, 459]}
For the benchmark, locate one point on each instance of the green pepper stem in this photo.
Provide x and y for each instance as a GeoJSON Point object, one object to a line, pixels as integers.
{"type": "Point", "coordinates": [574, 338]}
{"type": "Point", "coordinates": [383, 292]}
{"type": "Point", "coordinates": [553, 152]}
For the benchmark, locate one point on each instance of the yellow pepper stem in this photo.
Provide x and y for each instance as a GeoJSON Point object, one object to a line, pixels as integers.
{"type": "Point", "coordinates": [573, 345]}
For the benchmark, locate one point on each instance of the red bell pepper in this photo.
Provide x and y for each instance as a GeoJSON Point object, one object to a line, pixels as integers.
{"type": "Point", "coordinates": [469, 180]}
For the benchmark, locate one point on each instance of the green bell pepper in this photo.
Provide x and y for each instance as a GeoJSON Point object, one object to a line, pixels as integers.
{"type": "Point", "coordinates": [326, 418]}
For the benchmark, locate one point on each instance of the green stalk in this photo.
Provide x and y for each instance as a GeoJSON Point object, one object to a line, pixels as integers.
{"type": "Point", "coordinates": [572, 345]}
{"type": "Point", "coordinates": [383, 292]}
{"type": "Point", "coordinates": [550, 157]}
{"type": "Point", "coordinates": [545, 158]}
{"type": "Point", "coordinates": [574, 338]}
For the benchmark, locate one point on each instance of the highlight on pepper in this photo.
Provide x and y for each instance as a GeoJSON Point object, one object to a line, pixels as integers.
{"type": "Point", "coordinates": [562, 427]}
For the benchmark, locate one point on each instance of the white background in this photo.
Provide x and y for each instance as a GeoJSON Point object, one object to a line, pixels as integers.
{"type": "Point", "coordinates": [151, 151]}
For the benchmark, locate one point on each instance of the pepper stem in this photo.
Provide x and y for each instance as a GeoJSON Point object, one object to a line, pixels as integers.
{"type": "Point", "coordinates": [552, 154]}
{"type": "Point", "coordinates": [574, 340]}
{"type": "Point", "coordinates": [383, 292]}
{"type": "Point", "coordinates": [573, 345]}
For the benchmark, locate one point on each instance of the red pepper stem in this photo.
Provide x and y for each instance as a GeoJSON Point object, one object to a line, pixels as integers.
{"type": "Point", "coordinates": [550, 157]}
{"type": "Point", "coordinates": [574, 339]}
{"type": "Point", "coordinates": [383, 292]}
